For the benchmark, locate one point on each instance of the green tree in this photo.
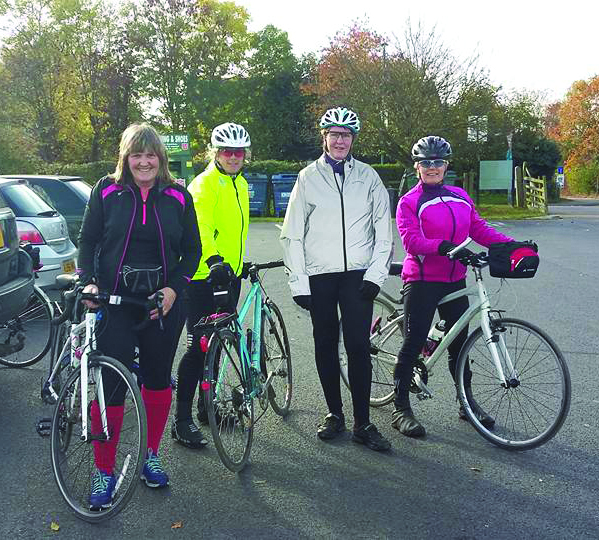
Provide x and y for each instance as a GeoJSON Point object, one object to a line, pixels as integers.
{"type": "Point", "coordinates": [33, 72]}
{"type": "Point", "coordinates": [97, 45]}
{"type": "Point", "coordinates": [276, 108]}
{"type": "Point", "coordinates": [189, 50]}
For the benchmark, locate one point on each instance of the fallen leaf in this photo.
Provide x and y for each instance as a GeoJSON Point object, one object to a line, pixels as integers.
{"type": "Point", "coordinates": [177, 525]}
{"type": "Point", "coordinates": [475, 469]}
{"type": "Point", "coordinates": [54, 526]}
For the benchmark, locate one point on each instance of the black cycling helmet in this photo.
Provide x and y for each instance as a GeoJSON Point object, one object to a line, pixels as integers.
{"type": "Point", "coordinates": [431, 147]}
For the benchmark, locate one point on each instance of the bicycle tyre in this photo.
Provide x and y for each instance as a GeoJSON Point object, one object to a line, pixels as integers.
{"type": "Point", "coordinates": [543, 386]}
{"type": "Point", "coordinates": [33, 323]}
{"type": "Point", "coordinates": [230, 410]}
{"type": "Point", "coordinates": [276, 358]}
{"type": "Point", "coordinates": [384, 348]}
{"type": "Point", "coordinates": [73, 460]}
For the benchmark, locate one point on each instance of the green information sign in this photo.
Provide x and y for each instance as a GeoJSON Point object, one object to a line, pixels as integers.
{"type": "Point", "coordinates": [496, 174]}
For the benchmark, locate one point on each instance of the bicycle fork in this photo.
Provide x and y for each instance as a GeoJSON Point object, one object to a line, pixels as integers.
{"type": "Point", "coordinates": [495, 343]}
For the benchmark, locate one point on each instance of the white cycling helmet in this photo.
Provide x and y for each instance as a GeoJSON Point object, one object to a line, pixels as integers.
{"type": "Point", "coordinates": [342, 117]}
{"type": "Point", "coordinates": [230, 135]}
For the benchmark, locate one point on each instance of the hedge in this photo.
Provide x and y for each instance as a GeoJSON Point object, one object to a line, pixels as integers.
{"type": "Point", "coordinates": [583, 179]}
{"type": "Point", "coordinates": [390, 173]}
{"type": "Point", "coordinates": [90, 172]}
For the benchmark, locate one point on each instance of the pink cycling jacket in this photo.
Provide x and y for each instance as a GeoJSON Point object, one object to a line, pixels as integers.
{"type": "Point", "coordinates": [426, 216]}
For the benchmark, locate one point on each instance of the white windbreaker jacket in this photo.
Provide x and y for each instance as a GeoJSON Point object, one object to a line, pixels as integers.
{"type": "Point", "coordinates": [335, 225]}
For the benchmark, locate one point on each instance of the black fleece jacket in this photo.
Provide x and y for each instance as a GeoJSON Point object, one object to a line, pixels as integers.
{"type": "Point", "coordinates": [106, 230]}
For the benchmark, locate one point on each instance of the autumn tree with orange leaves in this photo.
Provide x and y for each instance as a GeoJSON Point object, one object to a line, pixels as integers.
{"type": "Point", "coordinates": [574, 123]}
{"type": "Point", "coordinates": [402, 88]}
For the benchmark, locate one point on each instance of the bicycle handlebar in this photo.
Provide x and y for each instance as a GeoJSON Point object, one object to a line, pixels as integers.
{"type": "Point", "coordinates": [156, 302]}
{"type": "Point", "coordinates": [265, 266]}
{"type": "Point", "coordinates": [467, 257]}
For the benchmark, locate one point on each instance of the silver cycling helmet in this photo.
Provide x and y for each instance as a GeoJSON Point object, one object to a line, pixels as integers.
{"type": "Point", "coordinates": [341, 117]}
{"type": "Point", "coordinates": [230, 135]}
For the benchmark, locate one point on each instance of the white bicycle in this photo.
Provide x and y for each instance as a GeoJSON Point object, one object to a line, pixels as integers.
{"type": "Point", "coordinates": [77, 381]}
{"type": "Point", "coordinates": [519, 375]}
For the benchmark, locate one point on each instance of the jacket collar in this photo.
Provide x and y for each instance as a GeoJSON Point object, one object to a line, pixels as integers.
{"type": "Point", "coordinates": [347, 167]}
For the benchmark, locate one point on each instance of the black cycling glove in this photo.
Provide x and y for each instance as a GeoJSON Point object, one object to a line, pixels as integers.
{"type": "Point", "coordinates": [221, 274]}
{"type": "Point", "coordinates": [245, 270]}
{"type": "Point", "coordinates": [445, 247]}
{"type": "Point", "coordinates": [304, 301]}
{"type": "Point", "coordinates": [369, 290]}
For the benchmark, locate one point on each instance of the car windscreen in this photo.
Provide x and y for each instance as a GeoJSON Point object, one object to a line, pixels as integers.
{"type": "Point", "coordinates": [59, 195]}
{"type": "Point", "coordinates": [81, 187]}
{"type": "Point", "coordinates": [24, 202]}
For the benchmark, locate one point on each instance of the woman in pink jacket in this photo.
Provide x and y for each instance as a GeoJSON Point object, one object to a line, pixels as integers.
{"type": "Point", "coordinates": [432, 219]}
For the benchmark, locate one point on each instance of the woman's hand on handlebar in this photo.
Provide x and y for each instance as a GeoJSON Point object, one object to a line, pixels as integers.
{"type": "Point", "coordinates": [90, 289]}
{"type": "Point", "coordinates": [169, 297]}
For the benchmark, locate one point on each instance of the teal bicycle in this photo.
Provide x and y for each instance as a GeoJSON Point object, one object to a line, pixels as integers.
{"type": "Point", "coordinates": [244, 365]}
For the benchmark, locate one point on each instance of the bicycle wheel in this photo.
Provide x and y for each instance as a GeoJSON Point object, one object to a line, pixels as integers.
{"type": "Point", "coordinates": [276, 360]}
{"type": "Point", "coordinates": [74, 459]}
{"type": "Point", "coordinates": [531, 405]}
{"type": "Point", "coordinates": [230, 409]}
{"type": "Point", "coordinates": [386, 338]}
{"type": "Point", "coordinates": [25, 339]}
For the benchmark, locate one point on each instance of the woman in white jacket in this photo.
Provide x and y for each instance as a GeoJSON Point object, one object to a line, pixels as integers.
{"type": "Point", "coordinates": [337, 244]}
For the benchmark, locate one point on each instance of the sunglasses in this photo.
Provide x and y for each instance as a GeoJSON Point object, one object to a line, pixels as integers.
{"type": "Point", "coordinates": [430, 163]}
{"type": "Point", "coordinates": [229, 152]}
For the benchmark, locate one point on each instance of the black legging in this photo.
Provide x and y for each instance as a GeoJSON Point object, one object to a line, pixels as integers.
{"type": "Point", "coordinates": [199, 302]}
{"type": "Point", "coordinates": [116, 338]}
{"type": "Point", "coordinates": [420, 302]}
{"type": "Point", "coordinates": [329, 291]}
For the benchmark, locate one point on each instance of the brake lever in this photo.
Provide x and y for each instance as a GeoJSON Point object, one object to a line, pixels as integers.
{"type": "Point", "coordinates": [159, 297]}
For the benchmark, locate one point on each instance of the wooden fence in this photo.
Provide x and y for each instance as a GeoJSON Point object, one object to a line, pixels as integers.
{"type": "Point", "coordinates": [530, 192]}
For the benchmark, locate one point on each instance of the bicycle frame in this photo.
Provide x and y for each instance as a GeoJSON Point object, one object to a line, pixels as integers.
{"type": "Point", "coordinates": [82, 342]}
{"type": "Point", "coordinates": [482, 306]}
{"type": "Point", "coordinates": [250, 360]}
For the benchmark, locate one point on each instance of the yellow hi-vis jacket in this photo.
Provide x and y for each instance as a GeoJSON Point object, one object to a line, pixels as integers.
{"type": "Point", "coordinates": [222, 208]}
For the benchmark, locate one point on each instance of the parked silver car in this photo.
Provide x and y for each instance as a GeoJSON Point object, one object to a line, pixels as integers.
{"type": "Point", "coordinates": [68, 194]}
{"type": "Point", "coordinates": [42, 226]}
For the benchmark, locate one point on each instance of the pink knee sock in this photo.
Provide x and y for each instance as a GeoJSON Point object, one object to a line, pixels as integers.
{"type": "Point", "coordinates": [158, 406]}
{"type": "Point", "coordinates": [105, 451]}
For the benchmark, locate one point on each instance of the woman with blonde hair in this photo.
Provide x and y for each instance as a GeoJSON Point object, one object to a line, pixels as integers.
{"type": "Point", "coordinates": [139, 236]}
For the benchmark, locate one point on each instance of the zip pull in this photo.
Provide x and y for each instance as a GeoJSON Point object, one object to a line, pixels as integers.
{"type": "Point", "coordinates": [144, 198]}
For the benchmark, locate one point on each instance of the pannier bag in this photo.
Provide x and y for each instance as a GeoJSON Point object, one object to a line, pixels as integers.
{"type": "Point", "coordinates": [513, 259]}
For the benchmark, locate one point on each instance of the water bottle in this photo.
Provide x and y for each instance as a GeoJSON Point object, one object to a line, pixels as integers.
{"type": "Point", "coordinates": [434, 338]}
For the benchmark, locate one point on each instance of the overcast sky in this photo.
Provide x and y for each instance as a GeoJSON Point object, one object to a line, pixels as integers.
{"type": "Point", "coordinates": [534, 44]}
{"type": "Point", "coordinates": [539, 45]}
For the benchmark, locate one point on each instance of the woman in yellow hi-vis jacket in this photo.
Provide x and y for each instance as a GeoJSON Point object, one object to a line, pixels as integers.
{"type": "Point", "coordinates": [220, 197]}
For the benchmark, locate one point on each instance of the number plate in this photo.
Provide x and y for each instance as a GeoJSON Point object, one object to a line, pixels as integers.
{"type": "Point", "coordinates": [68, 267]}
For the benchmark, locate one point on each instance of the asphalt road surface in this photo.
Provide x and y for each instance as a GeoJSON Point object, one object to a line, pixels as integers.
{"type": "Point", "coordinates": [451, 485]}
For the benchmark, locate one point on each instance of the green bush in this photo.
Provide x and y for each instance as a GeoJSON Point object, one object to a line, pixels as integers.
{"type": "Point", "coordinates": [90, 172]}
{"type": "Point", "coordinates": [583, 179]}
{"type": "Point", "coordinates": [390, 173]}
{"type": "Point", "coordinates": [268, 167]}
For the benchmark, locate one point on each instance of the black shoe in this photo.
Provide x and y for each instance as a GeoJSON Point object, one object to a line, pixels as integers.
{"type": "Point", "coordinates": [331, 427]}
{"type": "Point", "coordinates": [370, 436]}
{"type": "Point", "coordinates": [186, 433]}
{"type": "Point", "coordinates": [485, 419]}
{"type": "Point", "coordinates": [405, 423]}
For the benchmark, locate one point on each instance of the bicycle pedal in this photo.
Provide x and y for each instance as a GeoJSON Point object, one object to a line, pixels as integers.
{"type": "Point", "coordinates": [43, 427]}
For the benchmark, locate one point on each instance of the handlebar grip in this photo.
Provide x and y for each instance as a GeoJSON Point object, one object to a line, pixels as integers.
{"type": "Point", "coordinates": [272, 264]}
